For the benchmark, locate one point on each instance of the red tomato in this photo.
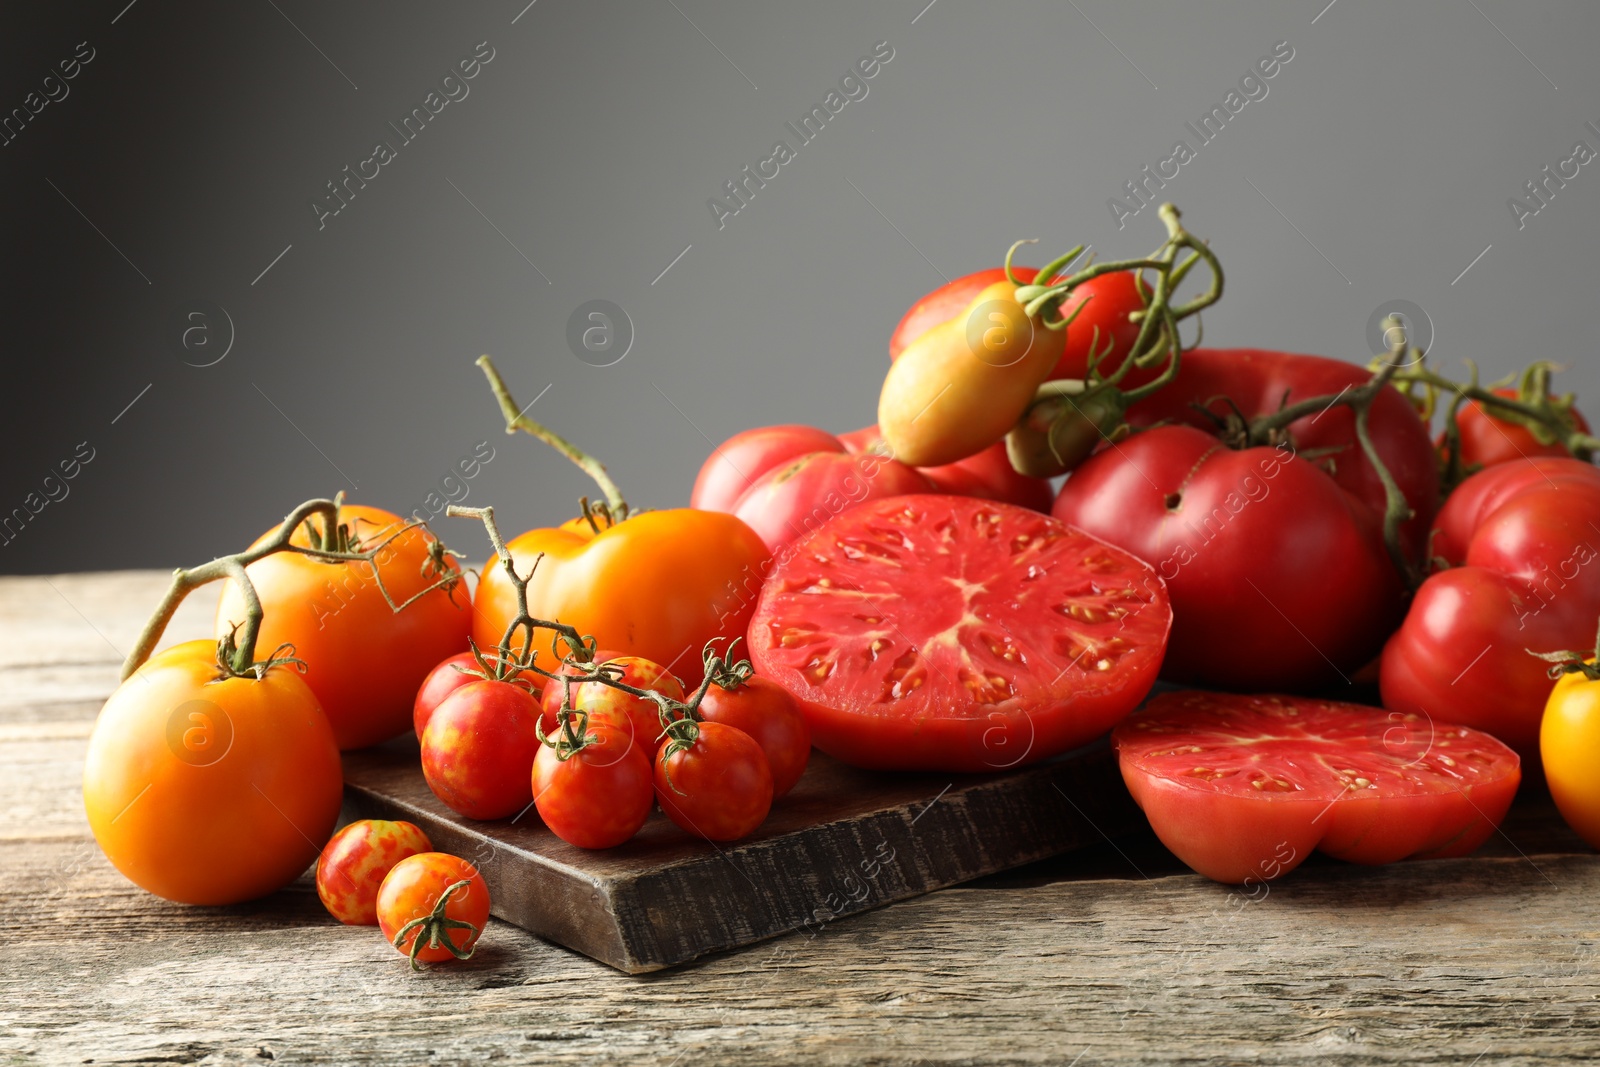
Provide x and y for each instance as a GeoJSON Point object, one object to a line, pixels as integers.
{"type": "Point", "coordinates": [479, 747]}
{"type": "Point", "coordinates": [364, 660]}
{"type": "Point", "coordinates": [719, 788]}
{"type": "Point", "coordinates": [1279, 575]}
{"type": "Point", "coordinates": [412, 893]}
{"type": "Point", "coordinates": [791, 500]}
{"type": "Point", "coordinates": [598, 698]}
{"type": "Point", "coordinates": [1487, 440]}
{"type": "Point", "coordinates": [1242, 788]}
{"type": "Point", "coordinates": [556, 691]}
{"type": "Point", "coordinates": [765, 710]}
{"type": "Point", "coordinates": [736, 464]}
{"type": "Point", "coordinates": [946, 302]}
{"type": "Point", "coordinates": [599, 796]}
{"type": "Point", "coordinates": [1521, 539]}
{"type": "Point", "coordinates": [354, 863]}
{"type": "Point", "coordinates": [989, 474]}
{"type": "Point", "coordinates": [446, 679]}
{"type": "Point", "coordinates": [947, 633]}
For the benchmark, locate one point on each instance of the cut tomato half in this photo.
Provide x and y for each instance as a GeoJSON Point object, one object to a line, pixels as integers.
{"type": "Point", "coordinates": [950, 633]}
{"type": "Point", "coordinates": [1243, 788]}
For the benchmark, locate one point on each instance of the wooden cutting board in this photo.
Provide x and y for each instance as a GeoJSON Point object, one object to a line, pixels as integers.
{"type": "Point", "coordinates": [842, 842]}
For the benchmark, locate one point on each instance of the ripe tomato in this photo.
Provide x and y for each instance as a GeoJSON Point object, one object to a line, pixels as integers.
{"type": "Point", "coordinates": [598, 698]}
{"type": "Point", "coordinates": [736, 463]}
{"type": "Point", "coordinates": [960, 386]}
{"type": "Point", "coordinates": [989, 474]}
{"type": "Point", "coordinates": [1243, 788]}
{"type": "Point", "coordinates": [556, 691]}
{"type": "Point", "coordinates": [947, 633]}
{"type": "Point", "coordinates": [412, 894]}
{"type": "Point", "coordinates": [364, 660]}
{"type": "Point", "coordinates": [718, 788]}
{"type": "Point", "coordinates": [1521, 541]}
{"type": "Point", "coordinates": [599, 796]}
{"type": "Point", "coordinates": [1276, 562]}
{"type": "Point", "coordinates": [765, 710]}
{"type": "Point", "coordinates": [793, 499]}
{"type": "Point", "coordinates": [659, 584]}
{"type": "Point", "coordinates": [1569, 743]}
{"type": "Point", "coordinates": [946, 302]}
{"type": "Point", "coordinates": [446, 679]}
{"type": "Point", "coordinates": [353, 865]}
{"type": "Point", "coordinates": [206, 790]}
{"type": "Point", "coordinates": [479, 747]}
{"type": "Point", "coordinates": [1487, 440]}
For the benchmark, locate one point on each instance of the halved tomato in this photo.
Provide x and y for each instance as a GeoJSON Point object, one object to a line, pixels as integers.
{"type": "Point", "coordinates": [1243, 788]}
{"type": "Point", "coordinates": [949, 633]}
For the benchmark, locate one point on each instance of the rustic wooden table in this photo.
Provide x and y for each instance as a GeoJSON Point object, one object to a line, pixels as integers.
{"type": "Point", "coordinates": [1110, 955]}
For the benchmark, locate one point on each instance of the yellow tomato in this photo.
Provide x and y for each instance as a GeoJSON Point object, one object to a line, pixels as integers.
{"type": "Point", "coordinates": [1569, 744]}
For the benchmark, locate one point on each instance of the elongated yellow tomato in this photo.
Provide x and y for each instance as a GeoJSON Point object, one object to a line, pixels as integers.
{"type": "Point", "coordinates": [963, 384]}
{"type": "Point", "coordinates": [659, 585]}
{"type": "Point", "coordinates": [1569, 744]}
{"type": "Point", "coordinates": [209, 790]}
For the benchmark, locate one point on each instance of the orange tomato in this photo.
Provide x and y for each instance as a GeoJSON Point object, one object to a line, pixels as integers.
{"type": "Point", "coordinates": [364, 660]}
{"type": "Point", "coordinates": [354, 864]}
{"type": "Point", "coordinates": [206, 790]}
{"type": "Point", "coordinates": [413, 889]}
{"type": "Point", "coordinates": [659, 585]}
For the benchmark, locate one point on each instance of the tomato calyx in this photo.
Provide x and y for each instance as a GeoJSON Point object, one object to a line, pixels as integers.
{"type": "Point", "coordinates": [228, 654]}
{"type": "Point", "coordinates": [435, 927]}
{"type": "Point", "coordinates": [1068, 419]}
{"type": "Point", "coordinates": [1575, 661]}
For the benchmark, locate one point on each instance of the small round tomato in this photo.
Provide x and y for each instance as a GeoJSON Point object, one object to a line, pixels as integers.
{"type": "Point", "coordinates": [598, 796]}
{"type": "Point", "coordinates": [209, 790]}
{"type": "Point", "coordinates": [364, 660]}
{"type": "Point", "coordinates": [735, 464]}
{"type": "Point", "coordinates": [556, 691]}
{"type": "Point", "coordinates": [479, 747]}
{"type": "Point", "coordinates": [1569, 744]}
{"type": "Point", "coordinates": [792, 500]}
{"type": "Point", "coordinates": [450, 675]}
{"type": "Point", "coordinates": [1487, 439]}
{"type": "Point", "coordinates": [765, 710]}
{"type": "Point", "coordinates": [719, 787]}
{"type": "Point", "coordinates": [598, 698]}
{"type": "Point", "coordinates": [433, 907]}
{"type": "Point", "coordinates": [353, 865]}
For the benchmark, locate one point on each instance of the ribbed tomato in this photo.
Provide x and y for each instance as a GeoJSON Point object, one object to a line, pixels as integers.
{"type": "Point", "coordinates": [949, 633]}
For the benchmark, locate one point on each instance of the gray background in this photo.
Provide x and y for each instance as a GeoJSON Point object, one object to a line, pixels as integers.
{"type": "Point", "coordinates": [1381, 159]}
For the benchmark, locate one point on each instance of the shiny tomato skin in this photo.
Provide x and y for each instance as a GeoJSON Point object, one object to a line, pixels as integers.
{"type": "Point", "coordinates": [733, 467]}
{"type": "Point", "coordinates": [765, 710]}
{"type": "Point", "coordinates": [211, 792]}
{"type": "Point", "coordinates": [1102, 306]}
{"type": "Point", "coordinates": [364, 660]}
{"type": "Point", "coordinates": [791, 500]}
{"type": "Point", "coordinates": [989, 474]}
{"type": "Point", "coordinates": [1523, 541]}
{"type": "Point", "coordinates": [658, 585]}
{"type": "Point", "coordinates": [598, 698]}
{"type": "Point", "coordinates": [1487, 440]}
{"type": "Point", "coordinates": [446, 679]}
{"type": "Point", "coordinates": [599, 796]}
{"type": "Point", "coordinates": [1569, 745]}
{"type": "Point", "coordinates": [354, 863]}
{"type": "Point", "coordinates": [946, 302]}
{"type": "Point", "coordinates": [955, 634]}
{"type": "Point", "coordinates": [1278, 577]}
{"type": "Point", "coordinates": [1244, 788]}
{"type": "Point", "coordinates": [720, 788]}
{"type": "Point", "coordinates": [412, 889]}
{"type": "Point", "coordinates": [479, 747]}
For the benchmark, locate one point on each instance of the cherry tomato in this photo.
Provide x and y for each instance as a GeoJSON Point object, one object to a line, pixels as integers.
{"type": "Point", "coordinates": [1522, 545]}
{"type": "Point", "coordinates": [1243, 788]}
{"type": "Point", "coordinates": [659, 584]}
{"type": "Point", "coordinates": [1569, 743]}
{"type": "Point", "coordinates": [598, 698]}
{"type": "Point", "coordinates": [958, 388]}
{"type": "Point", "coordinates": [364, 660]}
{"type": "Point", "coordinates": [736, 463]}
{"type": "Point", "coordinates": [599, 796]}
{"type": "Point", "coordinates": [413, 890]}
{"type": "Point", "coordinates": [555, 691]}
{"type": "Point", "coordinates": [989, 474]}
{"type": "Point", "coordinates": [1487, 440]}
{"type": "Point", "coordinates": [479, 747]}
{"type": "Point", "coordinates": [719, 788]}
{"type": "Point", "coordinates": [206, 790]}
{"type": "Point", "coordinates": [765, 710]}
{"type": "Point", "coordinates": [791, 500]}
{"type": "Point", "coordinates": [446, 678]}
{"type": "Point", "coordinates": [947, 633]}
{"type": "Point", "coordinates": [353, 865]}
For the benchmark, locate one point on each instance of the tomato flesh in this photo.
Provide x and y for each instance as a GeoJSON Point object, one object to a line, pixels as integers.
{"type": "Point", "coordinates": [1243, 788]}
{"type": "Point", "coordinates": [949, 633]}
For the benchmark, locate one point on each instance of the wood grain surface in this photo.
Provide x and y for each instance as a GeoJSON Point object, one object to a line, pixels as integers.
{"type": "Point", "coordinates": [1113, 955]}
